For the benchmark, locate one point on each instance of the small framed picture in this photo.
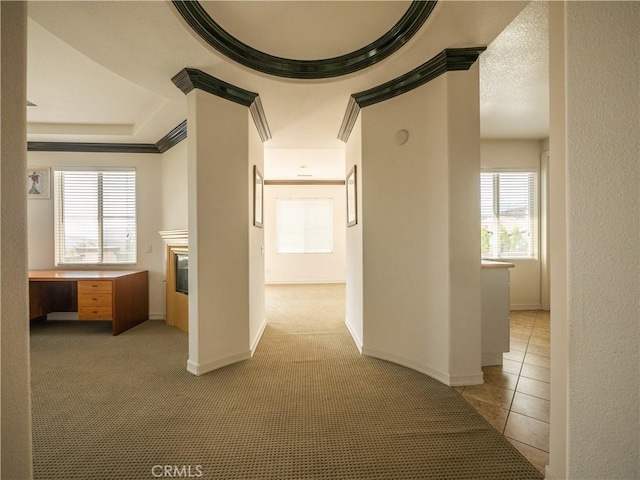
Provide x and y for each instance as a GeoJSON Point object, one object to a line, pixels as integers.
{"type": "Point", "coordinates": [39, 182]}
{"type": "Point", "coordinates": [352, 198]}
{"type": "Point", "coordinates": [258, 191]}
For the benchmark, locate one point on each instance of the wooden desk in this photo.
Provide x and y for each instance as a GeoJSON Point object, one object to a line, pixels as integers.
{"type": "Point", "coordinates": [121, 296]}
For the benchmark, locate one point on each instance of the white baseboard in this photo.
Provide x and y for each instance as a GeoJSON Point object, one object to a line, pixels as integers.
{"type": "Point", "coordinates": [547, 473]}
{"type": "Point", "coordinates": [450, 379]}
{"type": "Point", "coordinates": [525, 306]}
{"type": "Point", "coordinates": [256, 341]}
{"type": "Point", "coordinates": [466, 379]}
{"type": "Point", "coordinates": [302, 282]}
{"type": "Point", "coordinates": [489, 359]}
{"type": "Point", "coordinates": [157, 316]}
{"type": "Point", "coordinates": [202, 368]}
{"type": "Point", "coordinates": [353, 334]}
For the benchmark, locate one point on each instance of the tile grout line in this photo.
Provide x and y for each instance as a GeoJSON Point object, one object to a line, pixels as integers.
{"type": "Point", "coordinates": [515, 389]}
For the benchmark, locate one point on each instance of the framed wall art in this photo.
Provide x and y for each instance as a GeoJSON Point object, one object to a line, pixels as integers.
{"type": "Point", "coordinates": [258, 193]}
{"type": "Point", "coordinates": [352, 198]}
{"type": "Point", "coordinates": [39, 182]}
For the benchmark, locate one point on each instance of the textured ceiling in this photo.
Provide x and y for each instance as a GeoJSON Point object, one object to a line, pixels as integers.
{"type": "Point", "coordinates": [514, 78]}
{"type": "Point", "coordinates": [101, 71]}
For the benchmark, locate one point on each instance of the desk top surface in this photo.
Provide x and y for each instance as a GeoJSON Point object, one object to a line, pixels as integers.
{"type": "Point", "coordinates": [70, 275]}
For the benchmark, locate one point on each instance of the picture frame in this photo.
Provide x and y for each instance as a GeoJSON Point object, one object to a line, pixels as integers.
{"type": "Point", "coordinates": [351, 184]}
{"type": "Point", "coordinates": [258, 197]}
{"type": "Point", "coordinates": [39, 182]}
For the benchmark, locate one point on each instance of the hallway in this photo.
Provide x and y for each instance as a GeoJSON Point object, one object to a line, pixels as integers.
{"type": "Point", "coordinates": [515, 396]}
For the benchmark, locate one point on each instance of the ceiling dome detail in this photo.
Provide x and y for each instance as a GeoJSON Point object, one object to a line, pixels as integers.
{"type": "Point", "coordinates": [213, 34]}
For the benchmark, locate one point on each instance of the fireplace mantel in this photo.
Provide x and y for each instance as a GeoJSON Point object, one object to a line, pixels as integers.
{"type": "Point", "coordinates": [175, 237]}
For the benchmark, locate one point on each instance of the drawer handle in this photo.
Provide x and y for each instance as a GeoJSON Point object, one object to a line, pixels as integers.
{"type": "Point", "coordinates": [95, 311]}
{"type": "Point", "coordinates": [94, 299]}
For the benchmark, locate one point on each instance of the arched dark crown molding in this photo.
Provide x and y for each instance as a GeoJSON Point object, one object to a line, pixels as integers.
{"type": "Point", "coordinates": [212, 33]}
{"type": "Point", "coordinates": [448, 60]}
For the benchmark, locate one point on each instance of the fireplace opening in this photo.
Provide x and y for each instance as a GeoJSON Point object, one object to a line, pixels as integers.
{"type": "Point", "coordinates": [182, 273]}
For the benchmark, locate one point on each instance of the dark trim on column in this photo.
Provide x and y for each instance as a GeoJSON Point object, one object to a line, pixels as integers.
{"type": "Point", "coordinates": [260, 119]}
{"type": "Point", "coordinates": [304, 182]}
{"type": "Point", "coordinates": [171, 139]}
{"type": "Point", "coordinates": [349, 120]}
{"type": "Point", "coordinates": [450, 59]}
{"type": "Point", "coordinates": [201, 22]}
{"type": "Point", "coordinates": [189, 79]}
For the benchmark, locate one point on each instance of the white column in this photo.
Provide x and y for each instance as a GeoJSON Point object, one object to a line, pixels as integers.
{"type": "Point", "coordinates": [218, 198]}
{"type": "Point", "coordinates": [420, 214]}
{"type": "Point", "coordinates": [14, 328]}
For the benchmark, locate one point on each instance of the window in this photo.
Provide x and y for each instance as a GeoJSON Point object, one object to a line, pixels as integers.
{"type": "Point", "coordinates": [95, 216]}
{"type": "Point", "coordinates": [508, 209]}
{"type": "Point", "coordinates": [304, 225]}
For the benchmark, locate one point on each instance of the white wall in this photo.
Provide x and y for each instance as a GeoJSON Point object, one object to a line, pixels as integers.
{"type": "Point", "coordinates": [257, 315]}
{"type": "Point", "coordinates": [557, 245]}
{"type": "Point", "coordinates": [174, 188]}
{"type": "Point", "coordinates": [149, 209]}
{"type": "Point", "coordinates": [525, 277]}
{"type": "Point", "coordinates": [15, 404]}
{"type": "Point", "coordinates": [354, 269]}
{"type": "Point", "coordinates": [299, 267]}
{"type": "Point", "coordinates": [595, 222]}
{"type": "Point", "coordinates": [602, 69]}
{"type": "Point", "coordinates": [421, 217]}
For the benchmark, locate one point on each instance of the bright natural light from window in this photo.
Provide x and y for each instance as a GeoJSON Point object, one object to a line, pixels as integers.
{"type": "Point", "coordinates": [304, 225]}
{"type": "Point", "coordinates": [508, 205]}
{"type": "Point", "coordinates": [95, 216]}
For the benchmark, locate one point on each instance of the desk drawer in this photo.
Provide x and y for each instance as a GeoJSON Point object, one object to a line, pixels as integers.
{"type": "Point", "coordinates": [95, 286]}
{"type": "Point", "coordinates": [94, 300]}
{"type": "Point", "coordinates": [95, 313]}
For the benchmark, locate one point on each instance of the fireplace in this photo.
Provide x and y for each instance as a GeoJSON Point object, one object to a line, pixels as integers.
{"type": "Point", "coordinates": [177, 278]}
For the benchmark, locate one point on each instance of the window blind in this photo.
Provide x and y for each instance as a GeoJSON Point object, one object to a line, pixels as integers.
{"type": "Point", "coordinates": [508, 206]}
{"type": "Point", "coordinates": [304, 225]}
{"type": "Point", "coordinates": [95, 216]}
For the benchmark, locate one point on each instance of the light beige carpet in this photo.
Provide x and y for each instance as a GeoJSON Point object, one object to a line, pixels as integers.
{"type": "Point", "coordinates": [306, 406]}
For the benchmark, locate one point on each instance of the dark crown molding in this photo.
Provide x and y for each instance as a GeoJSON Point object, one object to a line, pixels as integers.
{"type": "Point", "coordinates": [450, 59]}
{"type": "Point", "coordinates": [349, 120]}
{"type": "Point", "coordinates": [171, 139]}
{"type": "Point", "coordinates": [189, 79]}
{"type": "Point", "coordinates": [213, 34]}
{"type": "Point", "coordinates": [92, 147]}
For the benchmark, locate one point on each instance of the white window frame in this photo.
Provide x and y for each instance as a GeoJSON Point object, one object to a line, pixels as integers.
{"type": "Point", "coordinates": [308, 242]}
{"type": "Point", "coordinates": [66, 248]}
{"type": "Point", "coordinates": [533, 227]}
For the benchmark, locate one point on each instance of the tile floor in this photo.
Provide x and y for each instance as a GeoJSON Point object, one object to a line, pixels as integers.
{"type": "Point", "coordinates": [515, 396]}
